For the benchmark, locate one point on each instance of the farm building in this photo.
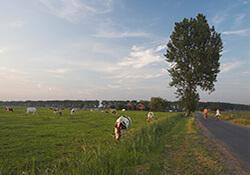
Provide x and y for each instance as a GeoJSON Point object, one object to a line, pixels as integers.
{"type": "Point", "coordinates": [142, 106]}
{"type": "Point", "coordinates": [129, 106]}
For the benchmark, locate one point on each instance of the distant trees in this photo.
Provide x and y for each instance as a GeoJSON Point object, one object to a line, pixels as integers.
{"type": "Point", "coordinates": [158, 104]}
{"type": "Point", "coordinates": [108, 103]}
{"type": "Point", "coordinates": [193, 53]}
{"type": "Point", "coordinates": [213, 106]}
{"type": "Point", "coordinates": [90, 104]}
{"type": "Point", "coordinates": [155, 104]}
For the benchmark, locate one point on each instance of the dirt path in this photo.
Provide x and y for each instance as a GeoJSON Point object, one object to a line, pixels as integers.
{"type": "Point", "coordinates": [234, 138]}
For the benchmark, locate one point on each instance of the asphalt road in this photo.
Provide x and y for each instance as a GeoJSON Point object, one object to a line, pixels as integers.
{"type": "Point", "coordinates": [235, 138]}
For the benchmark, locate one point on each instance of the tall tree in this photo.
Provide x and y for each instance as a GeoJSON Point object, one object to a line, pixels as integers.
{"type": "Point", "coordinates": [193, 53]}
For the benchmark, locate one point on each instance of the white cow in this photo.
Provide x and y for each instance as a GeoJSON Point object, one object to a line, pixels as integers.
{"type": "Point", "coordinates": [32, 110]}
{"type": "Point", "coordinates": [122, 125]}
{"type": "Point", "coordinates": [57, 111]}
{"type": "Point", "coordinates": [73, 111]}
{"type": "Point", "coordinates": [150, 116]}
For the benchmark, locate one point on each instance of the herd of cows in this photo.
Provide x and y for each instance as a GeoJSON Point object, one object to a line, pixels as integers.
{"type": "Point", "coordinates": [122, 124]}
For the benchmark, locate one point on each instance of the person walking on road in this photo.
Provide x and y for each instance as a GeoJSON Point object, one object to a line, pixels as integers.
{"type": "Point", "coordinates": [205, 113]}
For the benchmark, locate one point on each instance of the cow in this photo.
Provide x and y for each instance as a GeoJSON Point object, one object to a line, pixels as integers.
{"type": "Point", "coordinates": [73, 111]}
{"type": "Point", "coordinates": [150, 116]}
{"type": "Point", "coordinates": [57, 111]}
{"type": "Point", "coordinates": [32, 110]}
{"type": "Point", "coordinates": [9, 109]}
{"type": "Point", "coordinates": [113, 111]}
{"type": "Point", "coordinates": [122, 125]}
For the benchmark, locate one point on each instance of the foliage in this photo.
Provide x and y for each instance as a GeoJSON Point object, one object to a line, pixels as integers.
{"type": "Point", "coordinates": [120, 106]}
{"type": "Point", "coordinates": [193, 52]}
{"type": "Point", "coordinates": [222, 106]}
{"type": "Point", "coordinates": [90, 104]}
{"type": "Point", "coordinates": [158, 104]}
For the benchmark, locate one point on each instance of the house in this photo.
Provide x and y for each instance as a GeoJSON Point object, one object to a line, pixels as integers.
{"type": "Point", "coordinates": [129, 106]}
{"type": "Point", "coordinates": [142, 106]}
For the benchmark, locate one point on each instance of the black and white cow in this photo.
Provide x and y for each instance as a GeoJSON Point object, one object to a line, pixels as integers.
{"type": "Point", "coordinates": [32, 110]}
{"type": "Point", "coordinates": [122, 125]}
{"type": "Point", "coordinates": [9, 109]}
{"type": "Point", "coordinates": [72, 112]}
{"type": "Point", "coordinates": [57, 111]}
{"type": "Point", "coordinates": [150, 116]}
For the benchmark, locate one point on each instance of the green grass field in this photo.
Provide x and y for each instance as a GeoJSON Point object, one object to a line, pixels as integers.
{"type": "Point", "coordinates": [48, 137]}
{"type": "Point", "coordinates": [83, 144]}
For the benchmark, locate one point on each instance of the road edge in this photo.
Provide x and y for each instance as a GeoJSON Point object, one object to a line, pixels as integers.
{"type": "Point", "coordinates": [233, 162]}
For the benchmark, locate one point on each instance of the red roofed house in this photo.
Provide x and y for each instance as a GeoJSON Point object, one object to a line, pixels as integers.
{"type": "Point", "coordinates": [142, 106]}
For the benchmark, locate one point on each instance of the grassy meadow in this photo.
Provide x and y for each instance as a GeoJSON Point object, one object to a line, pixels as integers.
{"type": "Point", "coordinates": [83, 144]}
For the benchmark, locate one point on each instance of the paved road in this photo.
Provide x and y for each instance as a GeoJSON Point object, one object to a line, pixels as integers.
{"type": "Point", "coordinates": [233, 137]}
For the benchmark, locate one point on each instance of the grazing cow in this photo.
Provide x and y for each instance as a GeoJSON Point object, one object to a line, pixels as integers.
{"type": "Point", "coordinates": [150, 116]}
{"type": "Point", "coordinates": [9, 109]}
{"type": "Point", "coordinates": [32, 110]}
{"type": "Point", "coordinates": [114, 111]}
{"type": "Point", "coordinates": [73, 111]}
{"type": "Point", "coordinates": [57, 111]}
{"type": "Point", "coordinates": [122, 124]}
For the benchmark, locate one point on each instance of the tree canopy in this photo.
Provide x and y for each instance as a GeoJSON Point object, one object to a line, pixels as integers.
{"type": "Point", "coordinates": [158, 104]}
{"type": "Point", "coordinates": [193, 53]}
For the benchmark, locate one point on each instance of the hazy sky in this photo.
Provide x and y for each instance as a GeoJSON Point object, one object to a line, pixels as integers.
{"type": "Point", "coordinates": [112, 49]}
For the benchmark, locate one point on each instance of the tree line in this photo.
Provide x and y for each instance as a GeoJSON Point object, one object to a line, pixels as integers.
{"type": "Point", "coordinates": [155, 104]}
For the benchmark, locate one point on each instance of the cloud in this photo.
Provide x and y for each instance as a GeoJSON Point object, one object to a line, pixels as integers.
{"type": "Point", "coordinates": [3, 50]}
{"type": "Point", "coordinates": [219, 18]}
{"type": "Point", "coordinates": [8, 71]}
{"type": "Point", "coordinates": [109, 29]}
{"type": "Point", "coordinates": [17, 24]}
{"type": "Point", "coordinates": [244, 1]}
{"type": "Point", "coordinates": [74, 10]}
{"type": "Point", "coordinates": [140, 57]}
{"type": "Point", "coordinates": [159, 48]}
{"type": "Point", "coordinates": [60, 71]}
{"type": "Point", "coordinates": [113, 86]}
{"type": "Point", "coordinates": [244, 32]}
{"type": "Point", "coordinates": [226, 67]}
{"type": "Point", "coordinates": [123, 34]}
{"type": "Point", "coordinates": [239, 18]}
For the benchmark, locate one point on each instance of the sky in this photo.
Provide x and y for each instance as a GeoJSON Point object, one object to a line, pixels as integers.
{"type": "Point", "coordinates": [113, 49]}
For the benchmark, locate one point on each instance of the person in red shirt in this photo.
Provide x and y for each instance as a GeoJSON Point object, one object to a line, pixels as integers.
{"type": "Point", "coordinates": [205, 113]}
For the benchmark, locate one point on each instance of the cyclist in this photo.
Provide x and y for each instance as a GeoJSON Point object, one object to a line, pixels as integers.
{"type": "Point", "coordinates": [205, 113]}
{"type": "Point", "coordinates": [217, 114]}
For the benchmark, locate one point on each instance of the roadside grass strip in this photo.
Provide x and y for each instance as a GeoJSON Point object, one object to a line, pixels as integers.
{"type": "Point", "coordinates": [187, 152]}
